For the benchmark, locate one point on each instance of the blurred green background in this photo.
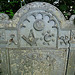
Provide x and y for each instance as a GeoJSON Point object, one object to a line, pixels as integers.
{"type": "Point", "coordinates": [10, 7]}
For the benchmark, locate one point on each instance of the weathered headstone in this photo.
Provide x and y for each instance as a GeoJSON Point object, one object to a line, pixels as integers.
{"type": "Point", "coordinates": [37, 41]}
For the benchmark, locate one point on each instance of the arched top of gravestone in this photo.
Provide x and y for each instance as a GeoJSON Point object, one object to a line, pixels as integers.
{"type": "Point", "coordinates": [38, 24]}
{"type": "Point", "coordinates": [39, 6]}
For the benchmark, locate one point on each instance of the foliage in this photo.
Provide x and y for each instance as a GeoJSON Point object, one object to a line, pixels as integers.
{"type": "Point", "coordinates": [9, 8]}
{"type": "Point", "coordinates": [66, 6]}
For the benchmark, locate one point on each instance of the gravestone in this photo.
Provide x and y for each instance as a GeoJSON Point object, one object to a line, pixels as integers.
{"type": "Point", "coordinates": [37, 41]}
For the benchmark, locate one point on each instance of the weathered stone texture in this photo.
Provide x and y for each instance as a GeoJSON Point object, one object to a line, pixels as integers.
{"type": "Point", "coordinates": [37, 41]}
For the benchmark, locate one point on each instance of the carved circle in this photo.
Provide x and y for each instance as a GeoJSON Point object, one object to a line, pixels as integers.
{"type": "Point", "coordinates": [38, 25]}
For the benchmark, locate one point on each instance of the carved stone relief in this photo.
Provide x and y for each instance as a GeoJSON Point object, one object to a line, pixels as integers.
{"type": "Point", "coordinates": [11, 37]}
{"type": "Point", "coordinates": [39, 30]}
{"type": "Point", "coordinates": [37, 41]}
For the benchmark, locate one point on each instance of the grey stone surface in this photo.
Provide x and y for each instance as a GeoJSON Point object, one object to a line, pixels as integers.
{"type": "Point", "coordinates": [71, 65]}
{"type": "Point", "coordinates": [37, 62]}
{"type": "Point", "coordinates": [37, 41]}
